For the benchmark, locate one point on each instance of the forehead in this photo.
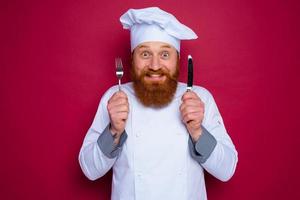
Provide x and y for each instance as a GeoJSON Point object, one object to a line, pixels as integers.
{"type": "Point", "coordinates": [154, 46]}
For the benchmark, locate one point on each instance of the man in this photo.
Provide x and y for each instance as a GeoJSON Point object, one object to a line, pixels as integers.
{"type": "Point", "coordinates": [157, 136]}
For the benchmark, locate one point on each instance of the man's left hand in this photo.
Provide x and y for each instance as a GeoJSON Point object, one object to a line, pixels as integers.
{"type": "Point", "coordinates": [192, 113]}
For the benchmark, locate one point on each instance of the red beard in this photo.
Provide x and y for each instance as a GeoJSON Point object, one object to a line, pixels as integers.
{"type": "Point", "coordinates": [155, 94]}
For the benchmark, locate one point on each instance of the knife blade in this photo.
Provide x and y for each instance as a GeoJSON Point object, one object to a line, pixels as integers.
{"type": "Point", "coordinates": [190, 73]}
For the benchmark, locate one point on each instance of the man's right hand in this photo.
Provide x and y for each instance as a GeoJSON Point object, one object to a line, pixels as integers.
{"type": "Point", "coordinates": [118, 109]}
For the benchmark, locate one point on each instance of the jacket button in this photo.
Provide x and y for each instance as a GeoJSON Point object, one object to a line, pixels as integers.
{"type": "Point", "coordinates": [138, 134]}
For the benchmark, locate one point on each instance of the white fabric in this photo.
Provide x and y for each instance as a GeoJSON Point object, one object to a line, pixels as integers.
{"type": "Point", "coordinates": [155, 161]}
{"type": "Point", "coordinates": [154, 24]}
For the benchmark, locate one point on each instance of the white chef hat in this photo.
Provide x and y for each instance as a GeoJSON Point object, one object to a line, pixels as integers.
{"type": "Point", "coordinates": [154, 24]}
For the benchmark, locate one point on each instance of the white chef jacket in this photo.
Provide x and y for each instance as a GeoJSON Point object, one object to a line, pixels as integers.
{"type": "Point", "coordinates": [155, 162]}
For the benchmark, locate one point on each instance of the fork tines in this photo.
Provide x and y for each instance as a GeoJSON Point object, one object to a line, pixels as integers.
{"type": "Point", "coordinates": [119, 67]}
{"type": "Point", "coordinates": [119, 70]}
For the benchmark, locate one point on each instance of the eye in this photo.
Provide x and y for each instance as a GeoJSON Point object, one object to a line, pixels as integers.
{"type": "Point", "coordinates": [165, 55]}
{"type": "Point", "coordinates": [145, 54]}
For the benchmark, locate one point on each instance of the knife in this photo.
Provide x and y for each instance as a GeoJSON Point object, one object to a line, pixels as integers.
{"type": "Point", "coordinates": [190, 73]}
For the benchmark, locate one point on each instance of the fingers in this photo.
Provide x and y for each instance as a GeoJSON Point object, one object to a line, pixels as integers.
{"type": "Point", "coordinates": [193, 118]}
{"type": "Point", "coordinates": [192, 108]}
{"type": "Point", "coordinates": [118, 106]}
{"type": "Point", "coordinates": [118, 98]}
{"type": "Point", "coordinates": [191, 103]}
{"type": "Point", "coordinates": [196, 108]}
{"type": "Point", "coordinates": [189, 95]}
{"type": "Point", "coordinates": [192, 113]}
{"type": "Point", "coordinates": [118, 118]}
{"type": "Point", "coordinates": [118, 109]}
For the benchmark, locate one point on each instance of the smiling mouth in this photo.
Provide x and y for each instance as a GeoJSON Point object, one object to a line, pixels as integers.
{"type": "Point", "coordinates": [155, 77]}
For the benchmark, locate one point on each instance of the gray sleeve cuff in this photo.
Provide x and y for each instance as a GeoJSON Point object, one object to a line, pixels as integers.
{"type": "Point", "coordinates": [106, 143]}
{"type": "Point", "coordinates": [201, 150]}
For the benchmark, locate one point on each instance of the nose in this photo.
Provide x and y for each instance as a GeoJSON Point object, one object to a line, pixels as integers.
{"type": "Point", "coordinates": [155, 64]}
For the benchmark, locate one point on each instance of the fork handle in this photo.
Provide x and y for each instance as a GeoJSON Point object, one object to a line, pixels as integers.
{"type": "Point", "coordinates": [119, 84]}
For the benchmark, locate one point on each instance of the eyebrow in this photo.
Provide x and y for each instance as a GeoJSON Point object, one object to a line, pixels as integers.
{"type": "Point", "coordinates": [163, 46]}
{"type": "Point", "coordinates": [166, 46]}
{"type": "Point", "coordinates": [143, 46]}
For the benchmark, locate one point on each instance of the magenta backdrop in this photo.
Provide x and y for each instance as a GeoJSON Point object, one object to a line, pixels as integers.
{"type": "Point", "coordinates": [57, 59]}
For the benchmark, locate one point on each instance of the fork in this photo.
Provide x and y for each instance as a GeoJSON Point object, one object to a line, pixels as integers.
{"type": "Point", "coordinates": [119, 70]}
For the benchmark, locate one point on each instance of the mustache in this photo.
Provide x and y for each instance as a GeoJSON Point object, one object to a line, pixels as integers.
{"type": "Point", "coordinates": [160, 72]}
{"type": "Point", "coordinates": [155, 72]}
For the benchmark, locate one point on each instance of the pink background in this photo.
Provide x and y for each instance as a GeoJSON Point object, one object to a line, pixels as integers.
{"type": "Point", "coordinates": [57, 59]}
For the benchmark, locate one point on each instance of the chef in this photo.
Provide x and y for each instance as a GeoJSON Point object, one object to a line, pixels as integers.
{"type": "Point", "coordinates": [157, 136]}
